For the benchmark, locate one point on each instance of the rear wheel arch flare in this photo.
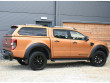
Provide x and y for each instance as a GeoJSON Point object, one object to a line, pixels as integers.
{"type": "Point", "coordinates": [37, 47]}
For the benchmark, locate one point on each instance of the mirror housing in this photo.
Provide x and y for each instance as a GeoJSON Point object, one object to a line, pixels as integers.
{"type": "Point", "coordinates": [86, 38]}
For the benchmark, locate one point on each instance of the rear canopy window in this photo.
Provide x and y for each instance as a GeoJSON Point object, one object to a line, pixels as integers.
{"type": "Point", "coordinates": [10, 32]}
{"type": "Point", "coordinates": [33, 31]}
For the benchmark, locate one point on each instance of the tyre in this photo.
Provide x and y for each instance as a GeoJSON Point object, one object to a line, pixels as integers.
{"type": "Point", "coordinates": [37, 60]}
{"type": "Point", "coordinates": [21, 61]}
{"type": "Point", "coordinates": [98, 59]}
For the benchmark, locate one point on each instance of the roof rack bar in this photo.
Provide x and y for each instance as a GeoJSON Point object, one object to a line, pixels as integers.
{"type": "Point", "coordinates": [65, 27]}
{"type": "Point", "coordinates": [34, 24]}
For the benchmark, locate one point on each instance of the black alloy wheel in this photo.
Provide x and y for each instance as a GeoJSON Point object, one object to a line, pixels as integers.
{"type": "Point", "coordinates": [98, 59]}
{"type": "Point", "coordinates": [37, 61]}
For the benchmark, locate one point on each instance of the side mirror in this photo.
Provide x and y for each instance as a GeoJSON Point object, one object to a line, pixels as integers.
{"type": "Point", "coordinates": [86, 38]}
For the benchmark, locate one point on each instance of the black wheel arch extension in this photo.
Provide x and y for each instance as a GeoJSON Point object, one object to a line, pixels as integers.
{"type": "Point", "coordinates": [34, 47]}
{"type": "Point", "coordinates": [101, 48]}
{"type": "Point", "coordinates": [37, 47]}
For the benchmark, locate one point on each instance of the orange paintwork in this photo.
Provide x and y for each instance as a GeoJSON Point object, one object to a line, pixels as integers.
{"type": "Point", "coordinates": [63, 49]}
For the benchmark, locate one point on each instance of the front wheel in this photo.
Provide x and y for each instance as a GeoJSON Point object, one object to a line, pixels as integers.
{"type": "Point", "coordinates": [37, 60]}
{"type": "Point", "coordinates": [98, 59]}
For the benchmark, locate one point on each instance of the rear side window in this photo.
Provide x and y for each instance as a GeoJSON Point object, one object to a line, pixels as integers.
{"type": "Point", "coordinates": [60, 33]}
{"type": "Point", "coordinates": [33, 31]}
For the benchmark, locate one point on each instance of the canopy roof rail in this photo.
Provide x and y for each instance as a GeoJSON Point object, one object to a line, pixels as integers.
{"type": "Point", "coordinates": [34, 24]}
{"type": "Point", "coordinates": [65, 27]}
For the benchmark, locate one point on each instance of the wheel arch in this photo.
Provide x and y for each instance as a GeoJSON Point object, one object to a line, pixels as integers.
{"type": "Point", "coordinates": [101, 48]}
{"type": "Point", "coordinates": [37, 47]}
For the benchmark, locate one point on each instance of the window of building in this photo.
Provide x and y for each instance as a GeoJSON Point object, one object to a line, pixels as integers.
{"type": "Point", "coordinates": [44, 23]}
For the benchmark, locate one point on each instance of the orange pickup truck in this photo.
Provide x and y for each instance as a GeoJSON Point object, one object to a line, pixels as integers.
{"type": "Point", "coordinates": [33, 45]}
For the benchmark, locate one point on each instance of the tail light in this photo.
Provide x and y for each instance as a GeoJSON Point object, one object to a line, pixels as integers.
{"type": "Point", "coordinates": [13, 44]}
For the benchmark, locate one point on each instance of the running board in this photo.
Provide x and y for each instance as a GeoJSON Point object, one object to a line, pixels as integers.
{"type": "Point", "coordinates": [63, 59]}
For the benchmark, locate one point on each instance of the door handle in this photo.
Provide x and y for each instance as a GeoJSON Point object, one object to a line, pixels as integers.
{"type": "Point", "coordinates": [57, 41]}
{"type": "Point", "coordinates": [74, 42]}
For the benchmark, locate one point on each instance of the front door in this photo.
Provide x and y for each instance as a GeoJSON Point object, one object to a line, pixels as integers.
{"type": "Point", "coordinates": [60, 44]}
{"type": "Point", "coordinates": [79, 47]}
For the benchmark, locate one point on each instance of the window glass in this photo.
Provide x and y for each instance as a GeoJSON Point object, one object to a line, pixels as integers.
{"type": "Point", "coordinates": [60, 33]}
{"type": "Point", "coordinates": [76, 35]}
{"type": "Point", "coordinates": [33, 31]}
{"type": "Point", "coordinates": [10, 32]}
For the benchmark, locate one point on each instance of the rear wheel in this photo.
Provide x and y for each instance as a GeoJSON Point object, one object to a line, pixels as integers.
{"type": "Point", "coordinates": [98, 59]}
{"type": "Point", "coordinates": [37, 60]}
{"type": "Point", "coordinates": [21, 61]}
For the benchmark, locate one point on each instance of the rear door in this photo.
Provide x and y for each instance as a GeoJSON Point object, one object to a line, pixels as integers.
{"type": "Point", "coordinates": [60, 44]}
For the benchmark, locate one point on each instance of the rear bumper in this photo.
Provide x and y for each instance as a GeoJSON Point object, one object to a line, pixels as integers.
{"type": "Point", "coordinates": [7, 54]}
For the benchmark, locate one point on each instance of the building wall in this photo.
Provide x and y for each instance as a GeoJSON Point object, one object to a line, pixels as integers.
{"type": "Point", "coordinates": [84, 12]}
{"type": "Point", "coordinates": [12, 13]}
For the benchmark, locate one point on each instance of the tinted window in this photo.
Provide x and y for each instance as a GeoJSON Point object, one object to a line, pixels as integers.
{"type": "Point", "coordinates": [60, 33]}
{"type": "Point", "coordinates": [33, 31]}
{"type": "Point", "coordinates": [10, 32]}
{"type": "Point", "coordinates": [76, 35]}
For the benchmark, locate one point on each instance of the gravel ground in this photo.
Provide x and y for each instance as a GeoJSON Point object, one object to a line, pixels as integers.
{"type": "Point", "coordinates": [54, 72]}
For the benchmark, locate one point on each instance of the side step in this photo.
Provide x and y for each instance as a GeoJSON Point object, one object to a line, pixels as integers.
{"type": "Point", "coordinates": [65, 59]}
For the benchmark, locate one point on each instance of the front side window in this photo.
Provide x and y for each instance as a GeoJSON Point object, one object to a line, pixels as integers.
{"type": "Point", "coordinates": [59, 33]}
{"type": "Point", "coordinates": [33, 31]}
{"type": "Point", "coordinates": [76, 35]}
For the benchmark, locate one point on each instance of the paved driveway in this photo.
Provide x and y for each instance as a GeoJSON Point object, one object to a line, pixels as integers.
{"type": "Point", "coordinates": [54, 72]}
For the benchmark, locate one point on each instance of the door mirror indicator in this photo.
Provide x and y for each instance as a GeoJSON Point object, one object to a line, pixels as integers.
{"type": "Point", "coordinates": [86, 38]}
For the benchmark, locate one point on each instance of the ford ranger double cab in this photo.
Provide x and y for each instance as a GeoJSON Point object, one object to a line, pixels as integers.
{"type": "Point", "coordinates": [33, 45]}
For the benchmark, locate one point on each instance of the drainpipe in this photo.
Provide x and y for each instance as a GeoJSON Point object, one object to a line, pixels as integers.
{"type": "Point", "coordinates": [56, 13]}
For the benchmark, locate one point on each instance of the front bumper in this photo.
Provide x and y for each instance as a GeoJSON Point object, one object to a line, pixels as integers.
{"type": "Point", "coordinates": [7, 54]}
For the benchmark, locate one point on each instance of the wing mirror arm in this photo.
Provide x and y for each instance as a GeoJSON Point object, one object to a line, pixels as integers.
{"type": "Point", "coordinates": [86, 38]}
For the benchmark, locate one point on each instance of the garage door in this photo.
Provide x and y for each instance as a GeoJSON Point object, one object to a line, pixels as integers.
{"type": "Point", "coordinates": [96, 31]}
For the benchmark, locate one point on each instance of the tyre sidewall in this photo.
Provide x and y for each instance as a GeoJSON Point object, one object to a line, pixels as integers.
{"type": "Point", "coordinates": [21, 62]}
{"type": "Point", "coordinates": [34, 54]}
{"type": "Point", "coordinates": [103, 55]}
